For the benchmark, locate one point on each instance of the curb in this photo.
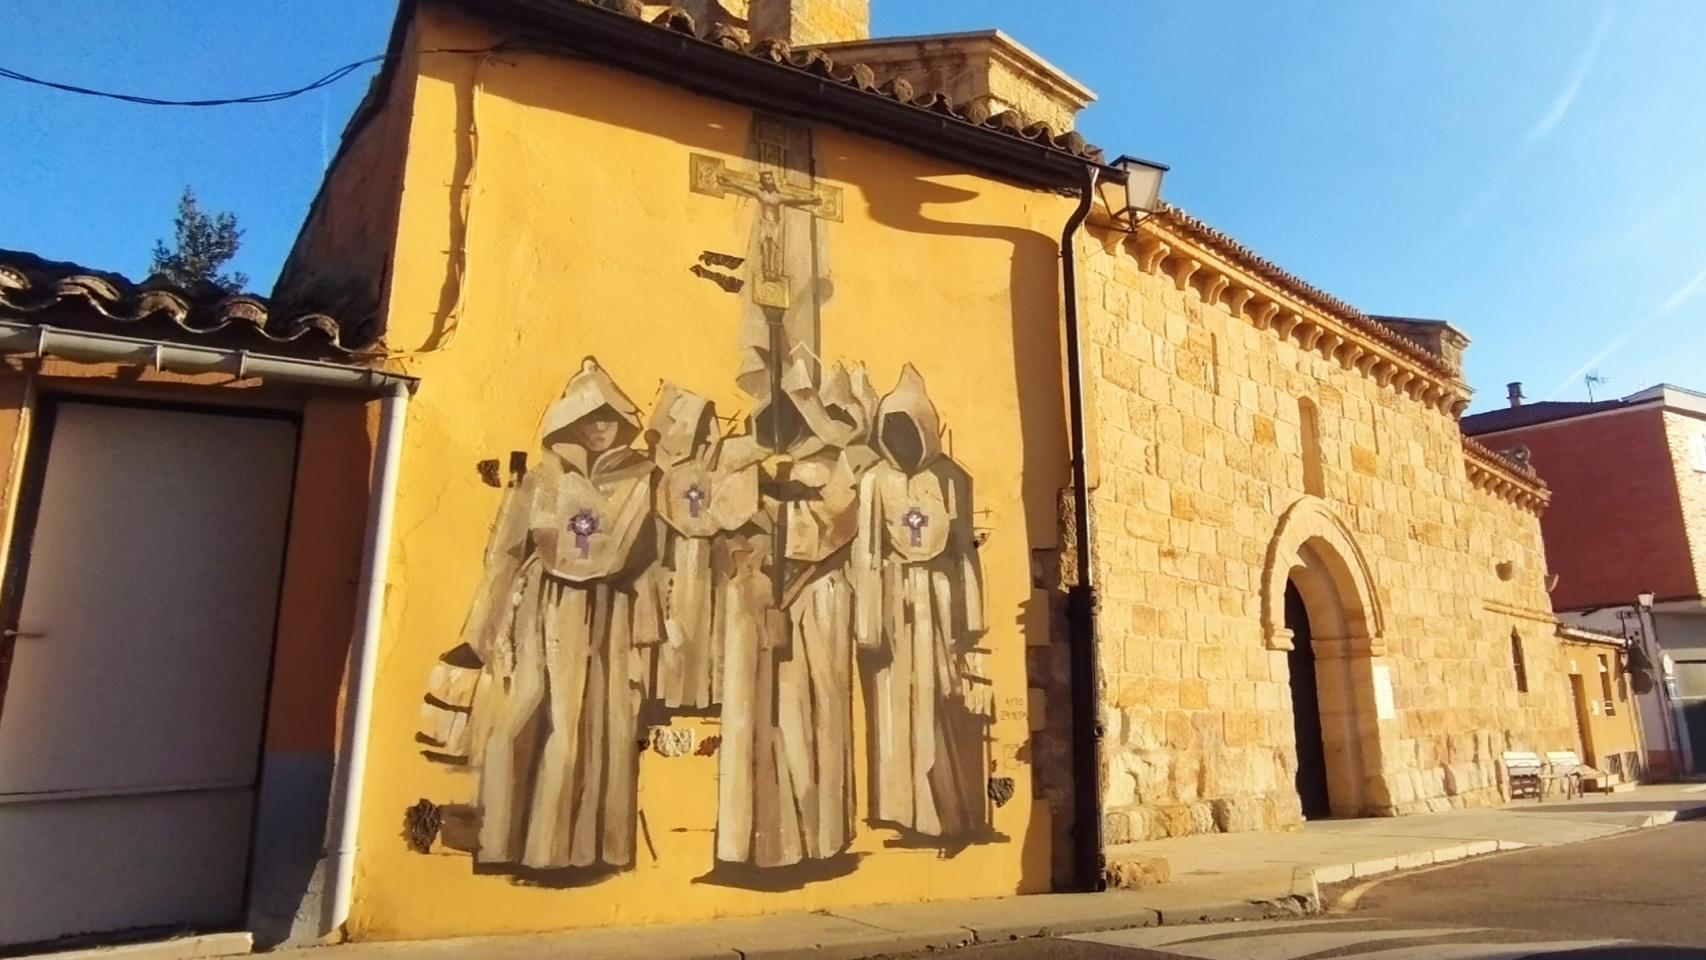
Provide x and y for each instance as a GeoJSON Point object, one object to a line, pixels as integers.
{"type": "Point", "coordinates": [202, 947]}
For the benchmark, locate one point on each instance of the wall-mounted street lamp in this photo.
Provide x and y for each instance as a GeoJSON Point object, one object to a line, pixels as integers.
{"type": "Point", "coordinates": [1139, 197]}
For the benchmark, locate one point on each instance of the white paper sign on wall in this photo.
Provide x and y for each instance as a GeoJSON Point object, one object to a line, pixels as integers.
{"type": "Point", "coordinates": [1385, 706]}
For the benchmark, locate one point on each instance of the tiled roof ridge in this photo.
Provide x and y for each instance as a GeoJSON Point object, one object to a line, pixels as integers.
{"type": "Point", "coordinates": [1235, 251]}
{"type": "Point", "coordinates": [859, 76]}
{"type": "Point", "coordinates": [31, 285]}
{"type": "Point", "coordinates": [1539, 413]}
{"type": "Point", "coordinates": [1590, 634]}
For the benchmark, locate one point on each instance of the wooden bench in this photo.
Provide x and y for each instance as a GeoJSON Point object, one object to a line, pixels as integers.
{"type": "Point", "coordinates": [1524, 771]}
{"type": "Point", "coordinates": [1565, 768]}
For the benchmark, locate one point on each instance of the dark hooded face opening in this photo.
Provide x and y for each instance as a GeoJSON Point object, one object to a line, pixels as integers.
{"type": "Point", "coordinates": [905, 445]}
{"type": "Point", "coordinates": [779, 425]}
{"type": "Point", "coordinates": [842, 416]}
{"type": "Point", "coordinates": [601, 430]}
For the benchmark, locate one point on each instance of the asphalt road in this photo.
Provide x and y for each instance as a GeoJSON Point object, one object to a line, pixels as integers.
{"type": "Point", "coordinates": [1648, 885]}
{"type": "Point", "coordinates": [1635, 896]}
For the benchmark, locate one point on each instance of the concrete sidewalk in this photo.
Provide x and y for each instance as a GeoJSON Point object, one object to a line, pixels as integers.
{"type": "Point", "coordinates": [1243, 876]}
{"type": "Point", "coordinates": [1330, 851]}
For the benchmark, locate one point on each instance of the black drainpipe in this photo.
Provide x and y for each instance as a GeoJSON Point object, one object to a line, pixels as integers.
{"type": "Point", "coordinates": [1081, 596]}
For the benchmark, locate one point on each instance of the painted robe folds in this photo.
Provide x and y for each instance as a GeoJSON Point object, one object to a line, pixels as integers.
{"type": "Point", "coordinates": [918, 581]}
{"type": "Point", "coordinates": [570, 594]}
{"type": "Point", "coordinates": [786, 762]}
{"type": "Point", "coordinates": [701, 496]}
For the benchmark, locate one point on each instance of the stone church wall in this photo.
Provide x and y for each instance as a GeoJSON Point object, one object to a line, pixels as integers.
{"type": "Point", "coordinates": [1199, 450]}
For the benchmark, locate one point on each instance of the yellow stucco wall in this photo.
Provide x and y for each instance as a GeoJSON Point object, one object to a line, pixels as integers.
{"type": "Point", "coordinates": [1612, 732]}
{"type": "Point", "coordinates": [580, 231]}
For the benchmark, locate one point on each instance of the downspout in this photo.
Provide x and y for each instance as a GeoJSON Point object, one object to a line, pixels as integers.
{"type": "Point", "coordinates": [1081, 596]}
{"type": "Point", "coordinates": [351, 773]}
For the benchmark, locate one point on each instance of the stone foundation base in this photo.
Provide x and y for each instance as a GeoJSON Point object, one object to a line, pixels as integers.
{"type": "Point", "coordinates": [1226, 815]}
{"type": "Point", "coordinates": [1246, 814]}
{"type": "Point", "coordinates": [1131, 873]}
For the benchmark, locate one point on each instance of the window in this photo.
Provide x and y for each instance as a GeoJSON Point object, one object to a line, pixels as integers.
{"type": "Point", "coordinates": [1697, 443]}
{"type": "Point", "coordinates": [1691, 679]}
{"type": "Point", "coordinates": [1605, 686]}
{"type": "Point", "coordinates": [1518, 664]}
{"type": "Point", "coordinates": [1309, 427]}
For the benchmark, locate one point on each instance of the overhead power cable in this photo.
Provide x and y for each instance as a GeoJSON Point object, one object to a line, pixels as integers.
{"type": "Point", "coordinates": [7, 73]}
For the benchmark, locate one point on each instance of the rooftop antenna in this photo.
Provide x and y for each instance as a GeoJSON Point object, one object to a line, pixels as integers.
{"type": "Point", "coordinates": [1595, 380]}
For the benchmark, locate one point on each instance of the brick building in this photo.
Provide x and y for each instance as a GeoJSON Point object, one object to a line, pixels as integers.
{"type": "Point", "coordinates": [1628, 519]}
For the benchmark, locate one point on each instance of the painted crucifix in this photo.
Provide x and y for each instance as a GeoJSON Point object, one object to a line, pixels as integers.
{"type": "Point", "coordinates": [785, 766]}
{"type": "Point", "coordinates": [785, 287]}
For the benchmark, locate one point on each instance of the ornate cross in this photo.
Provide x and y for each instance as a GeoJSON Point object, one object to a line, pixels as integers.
{"type": "Point", "coordinates": [915, 521]}
{"type": "Point", "coordinates": [775, 188]}
{"type": "Point", "coordinates": [583, 525]}
{"type": "Point", "coordinates": [785, 190]}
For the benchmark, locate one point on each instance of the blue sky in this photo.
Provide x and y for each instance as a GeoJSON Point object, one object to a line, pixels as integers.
{"type": "Point", "coordinates": [1531, 170]}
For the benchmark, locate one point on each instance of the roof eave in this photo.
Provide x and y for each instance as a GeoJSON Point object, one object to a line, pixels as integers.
{"type": "Point", "coordinates": [686, 60]}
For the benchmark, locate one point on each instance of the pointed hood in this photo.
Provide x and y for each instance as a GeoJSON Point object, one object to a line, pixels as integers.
{"type": "Point", "coordinates": [588, 391]}
{"type": "Point", "coordinates": [840, 409]}
{"type": "Point", "coordinates": [683, 424]}
{"type": "Point", "coordinates": [908, 431]}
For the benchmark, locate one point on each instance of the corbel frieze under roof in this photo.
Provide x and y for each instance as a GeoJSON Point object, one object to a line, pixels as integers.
{"type": "Point", "coordinates": [1500, 476]}
{"type": "Point", "coordinates": [1199, 260]}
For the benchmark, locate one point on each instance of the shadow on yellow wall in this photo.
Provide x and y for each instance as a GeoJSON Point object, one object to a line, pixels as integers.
{"type": "Point", "coordinates": [850, 520]}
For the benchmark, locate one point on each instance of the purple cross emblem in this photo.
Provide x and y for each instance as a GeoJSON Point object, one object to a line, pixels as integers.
{"type": "Point", "coordinates": [915, 520]}
{"type": "Point", "coordinates": [695, 500]}
{"type": "Point", "coordinates": [583, 525]}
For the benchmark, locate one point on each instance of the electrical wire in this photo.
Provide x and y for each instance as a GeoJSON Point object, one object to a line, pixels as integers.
{"type": "Point", "coordinates": [7, 73]}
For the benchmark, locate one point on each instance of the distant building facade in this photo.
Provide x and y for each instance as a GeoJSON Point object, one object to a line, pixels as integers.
{"type": "Point", "coordinates": [1628, 519]}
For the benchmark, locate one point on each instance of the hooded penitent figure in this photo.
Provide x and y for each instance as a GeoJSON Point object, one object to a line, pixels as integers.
{"type": "Point", "coordinates": [569, 595]}
{"type": "Point", "coordinates": [699, 498]}
{"type": "Point", "coordinates": [919, 616]}
{"type": "Point", "coordinates": [785, 790]}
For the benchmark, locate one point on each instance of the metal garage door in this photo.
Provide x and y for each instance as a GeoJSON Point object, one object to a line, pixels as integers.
{"type": "Point", "coordinates": [130, 718]}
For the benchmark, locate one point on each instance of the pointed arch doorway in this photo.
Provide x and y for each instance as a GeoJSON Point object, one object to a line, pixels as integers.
{"type": "Point", "coordinates": [1320, 606]}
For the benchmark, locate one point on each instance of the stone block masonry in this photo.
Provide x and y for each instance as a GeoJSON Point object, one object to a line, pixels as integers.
{"type": "Point", "coordinates": [1213, 384]}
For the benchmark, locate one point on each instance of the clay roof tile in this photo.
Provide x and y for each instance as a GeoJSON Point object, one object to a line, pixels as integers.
{"type": "Point", "coordinates": [48, 291]}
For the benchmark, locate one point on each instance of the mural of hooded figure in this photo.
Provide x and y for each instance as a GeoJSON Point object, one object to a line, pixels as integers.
{"type": "Point", "coordinates": [919, 616]}
{"type": "Point", "coordinates": [699, 498]}
{"type": "Point", "coordinates": [569, 596]}
{"type": "Point", "coordinates": [785, 777]}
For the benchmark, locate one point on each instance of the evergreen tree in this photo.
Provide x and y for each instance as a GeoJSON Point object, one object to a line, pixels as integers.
{"type": "Point", "coordinates": [205, 242]}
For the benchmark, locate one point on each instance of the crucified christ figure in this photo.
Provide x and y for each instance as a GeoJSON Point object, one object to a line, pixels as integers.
{"type": "Point", "coordinates": [772, 199]}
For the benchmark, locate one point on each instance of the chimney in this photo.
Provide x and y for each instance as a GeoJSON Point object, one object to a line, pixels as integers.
{"type": "Point", "coordinates": [807, 22]}
{"type": "Point", "coordinates": [985, 73]}
{"type": "Point", "coordinates": [1516, 395]}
